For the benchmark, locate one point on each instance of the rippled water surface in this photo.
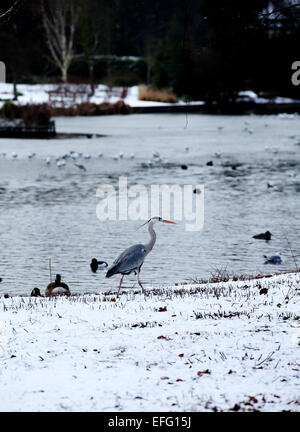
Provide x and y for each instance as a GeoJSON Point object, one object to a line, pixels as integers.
{"type": "Point", "coordinates": [46, 211]}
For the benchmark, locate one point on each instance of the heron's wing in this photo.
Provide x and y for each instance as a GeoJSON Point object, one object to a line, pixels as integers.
{"type": "Point", "coordinates": [131, 259]}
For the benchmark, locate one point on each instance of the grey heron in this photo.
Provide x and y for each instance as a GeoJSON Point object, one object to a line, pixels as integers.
{"type": "Point", "coordinates": [132, 259]}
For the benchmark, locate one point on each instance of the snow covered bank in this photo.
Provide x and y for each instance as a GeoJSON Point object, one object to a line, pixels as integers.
{"type": "Point", "coordinates": [250, 96]}
{"type": "Point", "coordinates": [203, 347]}
{"type": "Point", "coordinates": [38, 94]}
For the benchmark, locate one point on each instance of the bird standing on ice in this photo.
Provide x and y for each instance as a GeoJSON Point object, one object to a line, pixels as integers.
{"type": "Point", "coordinates": [132, 259]}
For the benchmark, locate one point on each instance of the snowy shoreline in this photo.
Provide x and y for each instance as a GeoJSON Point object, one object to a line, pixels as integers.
{"type": "Point", "coordinates": [200, 347]}
{"type": "Point", "coordinates": [38, 94]}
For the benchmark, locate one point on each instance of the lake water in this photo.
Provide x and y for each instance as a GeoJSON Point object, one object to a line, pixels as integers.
{"type": "Point", "coordinates": [46, 211]}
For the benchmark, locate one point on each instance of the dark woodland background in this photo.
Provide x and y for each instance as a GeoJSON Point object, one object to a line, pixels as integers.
{"type": "Point", "coordinates": [207, 49]}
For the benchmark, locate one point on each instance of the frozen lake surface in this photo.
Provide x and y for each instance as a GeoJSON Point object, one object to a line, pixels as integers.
{"type": "Point", "coordinates": [46, 211]}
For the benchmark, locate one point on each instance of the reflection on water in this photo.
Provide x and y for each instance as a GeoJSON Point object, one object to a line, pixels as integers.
{"type": "Point", "coordinates": [46, 211]}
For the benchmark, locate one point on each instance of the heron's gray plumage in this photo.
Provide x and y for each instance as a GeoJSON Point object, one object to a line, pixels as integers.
{"type": "Point", "coordinates": [132, 259]}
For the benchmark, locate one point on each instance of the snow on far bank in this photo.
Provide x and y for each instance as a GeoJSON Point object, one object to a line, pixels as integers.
{"type": "Point", "coordinates": [200, 347]}
{"type": "Point", "coordinates": [251, 96]}
{"type": "Point", "coordinates": [38, 93]}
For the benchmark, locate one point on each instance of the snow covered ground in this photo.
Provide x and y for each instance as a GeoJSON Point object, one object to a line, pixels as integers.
{"type": "Point", "coordinates": [200, 347]}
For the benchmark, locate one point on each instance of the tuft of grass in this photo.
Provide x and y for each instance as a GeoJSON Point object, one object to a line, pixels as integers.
{"type": "Point", "coordinates": [219, 275]}
{"type": "Point", "coordinates": [150, 94]}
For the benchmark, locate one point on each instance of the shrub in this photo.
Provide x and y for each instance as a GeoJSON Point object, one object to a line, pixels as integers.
{"type": "Point", "coordinates": [36, 115]}
{"type": "Point", "coordinates": [40, 115]}
{"type": "Point", "coordinates": [150, 94]}
{"type": "Point", "coordinates": [92, 109]}
{"type": "Point", "coordinates": [32, 115]}
{"type": "Point", "coordinates": [10, 111]}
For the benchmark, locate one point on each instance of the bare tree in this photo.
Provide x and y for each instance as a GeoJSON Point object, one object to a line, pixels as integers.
{"type": "Point", "coordinates": [90, 33]}
{"type": "Point", "coordinates": [6, 16]}
{"type": "Point", "coordinates": [60, 18]}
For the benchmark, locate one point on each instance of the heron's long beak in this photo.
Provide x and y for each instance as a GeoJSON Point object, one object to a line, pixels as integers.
{"type": "Point", "coordinates": [167, 221]}
{"type": "Point", "coordinates": [143, 224]}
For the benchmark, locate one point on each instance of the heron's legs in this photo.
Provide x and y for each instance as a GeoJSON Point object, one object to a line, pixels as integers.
{"type": "Point", "coordinates": [120, 285]}
{"type": "Point", "coordinates": [139, 282]}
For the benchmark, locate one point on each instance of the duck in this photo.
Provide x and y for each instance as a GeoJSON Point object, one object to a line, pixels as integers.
{"type": "Point", "coordinates": [57, 288]}
{"type": "Point", "coordinates": [95, 265]}
{"type": "Point", "coordinates": [36, 293]}
{"type": "Point", "coordinates": [264, 236]}
{"type": "Point", "coordinates": [197, 191]}
{"type": "Point", "coordinates": [273, 259]}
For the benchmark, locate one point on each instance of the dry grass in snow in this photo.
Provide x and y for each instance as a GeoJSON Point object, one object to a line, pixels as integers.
{"type": "Point", "coordinates": [150, 94]}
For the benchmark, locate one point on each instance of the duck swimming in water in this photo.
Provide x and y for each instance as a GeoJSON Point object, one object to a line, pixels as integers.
{"type": "Point", "coordinates": [95, 265]}
{"type": "Point", "coordinates": [273, 259]}
{"type": "Point", "coordinates": [57, 288]}
{"type": "Point", "coordinates": [265, 236]}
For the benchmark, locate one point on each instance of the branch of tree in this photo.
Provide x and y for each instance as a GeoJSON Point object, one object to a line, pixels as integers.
{"type": "Point", "coordinates": [6, 16]}
{"type": "Point", "coordinates": [280, 10]}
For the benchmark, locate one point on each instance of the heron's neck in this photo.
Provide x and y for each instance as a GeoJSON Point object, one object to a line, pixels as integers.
{"type": "Point", "coordinates": [149, 246]}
